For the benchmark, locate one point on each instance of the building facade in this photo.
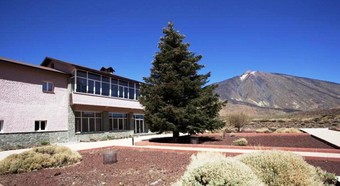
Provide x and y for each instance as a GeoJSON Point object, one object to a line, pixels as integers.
{"type": "Point", "coordinates": [64, 102]}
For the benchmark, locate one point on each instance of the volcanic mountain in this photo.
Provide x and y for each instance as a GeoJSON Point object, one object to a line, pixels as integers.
{"type": "Point", "coordinates": [279, 91]}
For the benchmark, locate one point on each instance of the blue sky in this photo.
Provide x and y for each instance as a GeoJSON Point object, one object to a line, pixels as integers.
{"type": "Point", "coordinates": [300, 38]}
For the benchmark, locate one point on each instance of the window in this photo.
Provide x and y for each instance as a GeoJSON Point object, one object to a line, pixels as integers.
{"type": "Point", "coordinates": [137, 91]}
{"type": "Point", "coordinates": [1, 126]}
{"type": "Point", "coordinates": [40, 125]}
{"type": "Point", "coordinates": [118, 121]}
{"type": "Point", "coordinates": [105, 86]}
{"type": "Point", "coordinates": [47, 86]}
{"type": "Point", "coordinates": [91, 83]}
{"type": "Point", "coordinates": [81, 84]}
{"type": "Point", "coordinates": [88, 121]}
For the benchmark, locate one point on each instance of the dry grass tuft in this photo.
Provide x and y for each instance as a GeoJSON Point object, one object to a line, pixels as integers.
{"type": "Point", "coordinates": [263, 130]}
{"type": "Point", "coordinates": [287, 130]}
{"type": "Point", "coordinates": [38, 158]}
{"type": "Point", "coordinates": [240, 142]}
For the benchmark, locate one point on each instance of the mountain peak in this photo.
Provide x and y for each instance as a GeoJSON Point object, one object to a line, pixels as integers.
{"type": "Point", "coordinates": [247, 74]}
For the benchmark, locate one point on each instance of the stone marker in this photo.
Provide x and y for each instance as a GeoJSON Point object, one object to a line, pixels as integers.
{"type": "Point", "coordinates": [110, 157]}
{"type": "Point", "coordinates": [194, 140]}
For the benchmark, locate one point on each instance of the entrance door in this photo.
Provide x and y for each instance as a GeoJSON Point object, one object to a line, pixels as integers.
{"type": "Point", "coordinates": [139, 125]}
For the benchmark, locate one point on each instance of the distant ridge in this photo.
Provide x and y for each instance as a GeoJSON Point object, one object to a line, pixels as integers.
{"type": "Point", "coordinates": [279, 91]}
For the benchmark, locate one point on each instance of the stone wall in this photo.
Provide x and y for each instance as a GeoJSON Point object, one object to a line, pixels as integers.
{"type": "Point", "coordinates": [104, 135]}
{"type": "Point", "coordinates": [30, 139]}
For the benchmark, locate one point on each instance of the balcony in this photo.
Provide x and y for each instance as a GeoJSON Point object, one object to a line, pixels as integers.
{"type": "Point", "coordinates": [94, 102]}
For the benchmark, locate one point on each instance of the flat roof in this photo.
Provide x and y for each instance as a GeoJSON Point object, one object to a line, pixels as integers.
{"type": "Point", "coordinates": [3, 59]}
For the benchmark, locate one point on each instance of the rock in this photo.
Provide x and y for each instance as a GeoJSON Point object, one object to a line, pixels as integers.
{"type": "Point", "coordinates": [156, 182]}
{"type": "Point", "coordinates": [57, 174]}
{"type": "Point", "coordinates": [110, 157]}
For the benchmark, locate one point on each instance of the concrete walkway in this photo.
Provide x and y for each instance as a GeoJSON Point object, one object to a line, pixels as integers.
{"type": "Point", "coordinates": [127, 142]}
{"type": "Point", "coordinates": [92, 145]}
{"type": "Point", "coordinates": [242, 151]}
{"type": "Point", "coordinates": [325, 134]}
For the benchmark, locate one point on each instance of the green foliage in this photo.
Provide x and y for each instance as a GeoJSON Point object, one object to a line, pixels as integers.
{"type": "Point", "coordinates": [38, 158]}
{"type": "Point", "coordinates": [238, 120]}
{"type": "Point", "coordinates": [281, 168]}
{"type": "Point", "coordinates": [240, 142]}
{"type": "Point", "coordinates": [43, 143]}
{"type": "Point", "coordinates": [175, 96]}
{"type": "Point", "coordinates": [216, 169]}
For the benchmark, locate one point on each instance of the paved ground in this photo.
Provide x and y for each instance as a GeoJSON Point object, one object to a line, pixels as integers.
{"type": "Point", "coordinates": [129, 142]}
{"type": "Point", "coordinates": [331, 136]}
{"type": "Point", "coordinates": [92, 145]}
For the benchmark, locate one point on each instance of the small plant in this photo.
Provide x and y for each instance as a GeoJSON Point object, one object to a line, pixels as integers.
{"type": "Point", "coordinates": [240, 142]}
{"type": "Point", "coordinates": [216, 169]}
{"type": "Point", "coordinates": [43, 143]}
{"type": "Point", "coordinates": [263, 130]}
{"type": "Point", "coordinates": [238, 120]}
{"type": "Point", "coordinates": [38, 158]}
{"type": "Point", "coordinates": [326, 177]}
{"type": "Point", "coordinates": [287, 130]}
{"type": "Point", "coordinates": [232, 134]}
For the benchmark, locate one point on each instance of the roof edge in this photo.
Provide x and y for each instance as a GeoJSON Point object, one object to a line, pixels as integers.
{"type": "Point", "coordinates": [30, 65]}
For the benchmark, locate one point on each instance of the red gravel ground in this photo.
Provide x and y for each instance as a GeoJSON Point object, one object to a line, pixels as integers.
{"type": "Point", "coordinates": [134, 167]}
{"type": "Point", "coordinates": [142, 166]}
{"type": "Point", "coordinates": [300, 140]}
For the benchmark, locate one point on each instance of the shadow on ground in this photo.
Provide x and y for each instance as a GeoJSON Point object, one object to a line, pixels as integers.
{"type": "Point", "coordinates": [184, 139]}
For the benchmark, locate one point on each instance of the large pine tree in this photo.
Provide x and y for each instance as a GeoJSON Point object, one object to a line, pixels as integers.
{"type": "Point", "coordinates": [175, 96]}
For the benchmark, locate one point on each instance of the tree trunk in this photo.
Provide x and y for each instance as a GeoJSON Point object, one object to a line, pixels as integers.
{"type": "Point", "coordinates": [175, 135]}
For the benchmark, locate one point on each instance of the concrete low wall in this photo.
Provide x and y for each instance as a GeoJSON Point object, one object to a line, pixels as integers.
{"type": "Point", "coordinates": [30, 139]}
{"type": "Point", "coordinates": [24, 140]}
{"type": "Point", "coordinates": [104, 135]}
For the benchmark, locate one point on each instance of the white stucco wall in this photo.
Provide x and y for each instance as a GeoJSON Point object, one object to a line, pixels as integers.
{"type": "Point", "coordinates": [22, 101]}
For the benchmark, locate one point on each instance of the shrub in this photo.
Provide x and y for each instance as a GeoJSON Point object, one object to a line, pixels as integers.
{"type": "Point", "coordinates": [287, 130]}
{"type": "Point", "coordinates": [215, 169]}
{"type": "Point", "coordinates": [232, 134]}
{"type": "Point", "coordinates": [43, 143]}
{"type": "Point", "coordinates": [238, 120]}
{"type": "Point", "coordinates": [38, 158]}
{"type": "Point", "coordinates": [240, 142]}
{"type": "Point", "coordinates": [326, 177]}
{"type": "Point", "coordinates": [263, 130]}
{"type": "Point", "coordinates": [281, 168]}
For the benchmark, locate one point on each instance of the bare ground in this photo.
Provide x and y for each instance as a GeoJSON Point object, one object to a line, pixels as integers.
{"type": "Point", "coordinates": [138, 166]}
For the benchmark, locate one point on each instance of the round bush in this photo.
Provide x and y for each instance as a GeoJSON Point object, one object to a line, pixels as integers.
{"type": "Point", "coordinates": [218, 171]}
{"type": "Point", "coordinates": [240, 142]}
{"type": "Point", "coordinates": [281, 168]}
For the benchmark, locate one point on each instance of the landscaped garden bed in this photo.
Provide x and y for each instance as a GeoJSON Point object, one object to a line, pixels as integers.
{"type": "Point", "coordinates": [134, 167]}
{"type": "Point", "coordinates": [258, 140]}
